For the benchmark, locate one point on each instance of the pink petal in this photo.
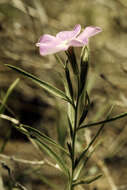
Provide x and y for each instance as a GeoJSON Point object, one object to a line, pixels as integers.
{"type": "Point", "coordinates": [78, 43]}
{"type": "Point", "coordinates": [46, 39]}
{"type": "Point", "coordinates": [88, 32]}
{"type": "Point", "coordinates": [50, 48]}
{"type": "Point", "coordinates": [68, 35]}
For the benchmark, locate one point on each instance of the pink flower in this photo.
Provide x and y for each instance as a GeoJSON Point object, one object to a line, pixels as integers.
{"type": "Point", "coordinates": [49, 44]}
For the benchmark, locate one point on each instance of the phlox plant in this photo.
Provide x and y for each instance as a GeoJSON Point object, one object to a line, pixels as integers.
{"type": "Point", "coordinates": [77, 99]}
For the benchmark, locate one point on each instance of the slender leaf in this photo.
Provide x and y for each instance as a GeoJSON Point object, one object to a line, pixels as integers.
{"type": "Point", "coordinates": [85, 110]}
{"type": "Point", "coordinates": [84, 162]}
{"type": "Point", "coordinates": [8, 93]}
{"type": "Point", "coordinates": [72, 58]}
{"type": "Point", "coordinates": [29, 131]}
{"type": "Point", "coordinates": [104, 121]}
{"type": "Point", "coordinates": [70, 87]}
{"type": "Point", "coordinates": [93, 140]}
{"type": "Point", "coordinates": [80, 157]}
{"type": "Point", "coordinates": [53, 90]}
{"type": "Point", "coordinates": [41, 135]}
{"type": "Point", "coordinates": [69, 148]}
{"type": "Point", "coordinates": [53, 155]}
{"type": "Point", "coordinates": [88, 156]}
{"type": "Point", "coordinates": [87, 180]}
{"type": "Point", "coordinates": [78, 170]}
{"type": "Point", "coordinates": [70, 127]}
{"type": "Point", "coordinates": [83, 77]}
{"type": "Point", "coordinates": [46, 148]}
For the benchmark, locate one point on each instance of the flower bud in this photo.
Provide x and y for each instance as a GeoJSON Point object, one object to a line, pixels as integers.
{"type": "Point", "coordinates": [84, 68]}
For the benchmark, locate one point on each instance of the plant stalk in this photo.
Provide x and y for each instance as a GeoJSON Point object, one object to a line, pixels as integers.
{"type": "Point", "coordinates": [71, 187]}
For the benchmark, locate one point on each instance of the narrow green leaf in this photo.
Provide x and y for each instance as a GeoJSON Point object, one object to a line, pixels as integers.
{"type": "Point", "coordinates": [85, 110]}
{"type": "Point", "coordinates": [83, 77]}
{"type": "Point", "coordinates": [104, 121]}
{"type": "Point", "coordinates": [41, 135]}
{"type": "Point", "coordinates": [84, 114]}
{"type": "Point", "coordinates": [78, 170]}
{"type": "Point", "coordinates": [88, 98]}
{"type": "Point", "coordinates": [53, 155]}
{"type": "Point", "coordinates": [72, 58]}
{"type": "Point", "coordinates": [22, 130]}
{"type": "Point", "coordinates": [67, 74]}
{"type": "Point", "coordinates": [46, 148]}
{"type": "Point", "coordinates": [69, 148]}
{"type": "Point", "coordinates": [8, 93]}
{"type": "Point", "coordinates": [84, 162]}
{"type": "Point", "coordinates": [93, 140]}
{"type": "Point", "coordinates": [88, 156]}
{"type": "Point", "coordinates": [70, 127]}
{"type": "Point", "coordinates": [87, 180]}
{"type": "Point", "coordinates": [80, 157]}
{"type": "Point", "coordinates": [53, 90]}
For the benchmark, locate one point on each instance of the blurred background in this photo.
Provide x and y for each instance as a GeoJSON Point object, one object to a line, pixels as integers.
{"type": "Point", "coordinates": [22, 22]}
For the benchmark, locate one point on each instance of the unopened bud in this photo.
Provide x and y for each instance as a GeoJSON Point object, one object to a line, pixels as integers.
{"type": "Point", "coordinates": [85, 54]}
{"type": "Point", "coordinates": [84, 68]}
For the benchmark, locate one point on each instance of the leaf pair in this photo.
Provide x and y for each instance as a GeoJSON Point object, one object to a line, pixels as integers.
{"type": "Point", "coordinates": [41, 140]}
{"type": "Point", "coordinates": [53, 155]}
{"type": "Point", "coordinates": [84, 153]}
{"type": "Point", "coordinates": [42, 136]}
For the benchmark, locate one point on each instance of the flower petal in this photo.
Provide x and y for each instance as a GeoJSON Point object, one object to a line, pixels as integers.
{"type": "Point", "coordinates": [68, 35]}
{"type": "Point", "coordinates": [46, 39]}
{"type": "Point", "coordinates": [77, 43]}
{"type": "Point", "coordinates": [89, 32]}
{"type": "Point", "coordinates": [50, 48]}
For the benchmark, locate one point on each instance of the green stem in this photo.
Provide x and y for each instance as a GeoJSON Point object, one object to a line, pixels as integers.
{"type": "Point", "coordinates": [74, 138]}
{"type": "Point", "coordinates": [73, 150]}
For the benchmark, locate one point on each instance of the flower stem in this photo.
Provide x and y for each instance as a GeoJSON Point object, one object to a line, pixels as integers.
{"type": "Point", "coordinates": [74, 138]}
